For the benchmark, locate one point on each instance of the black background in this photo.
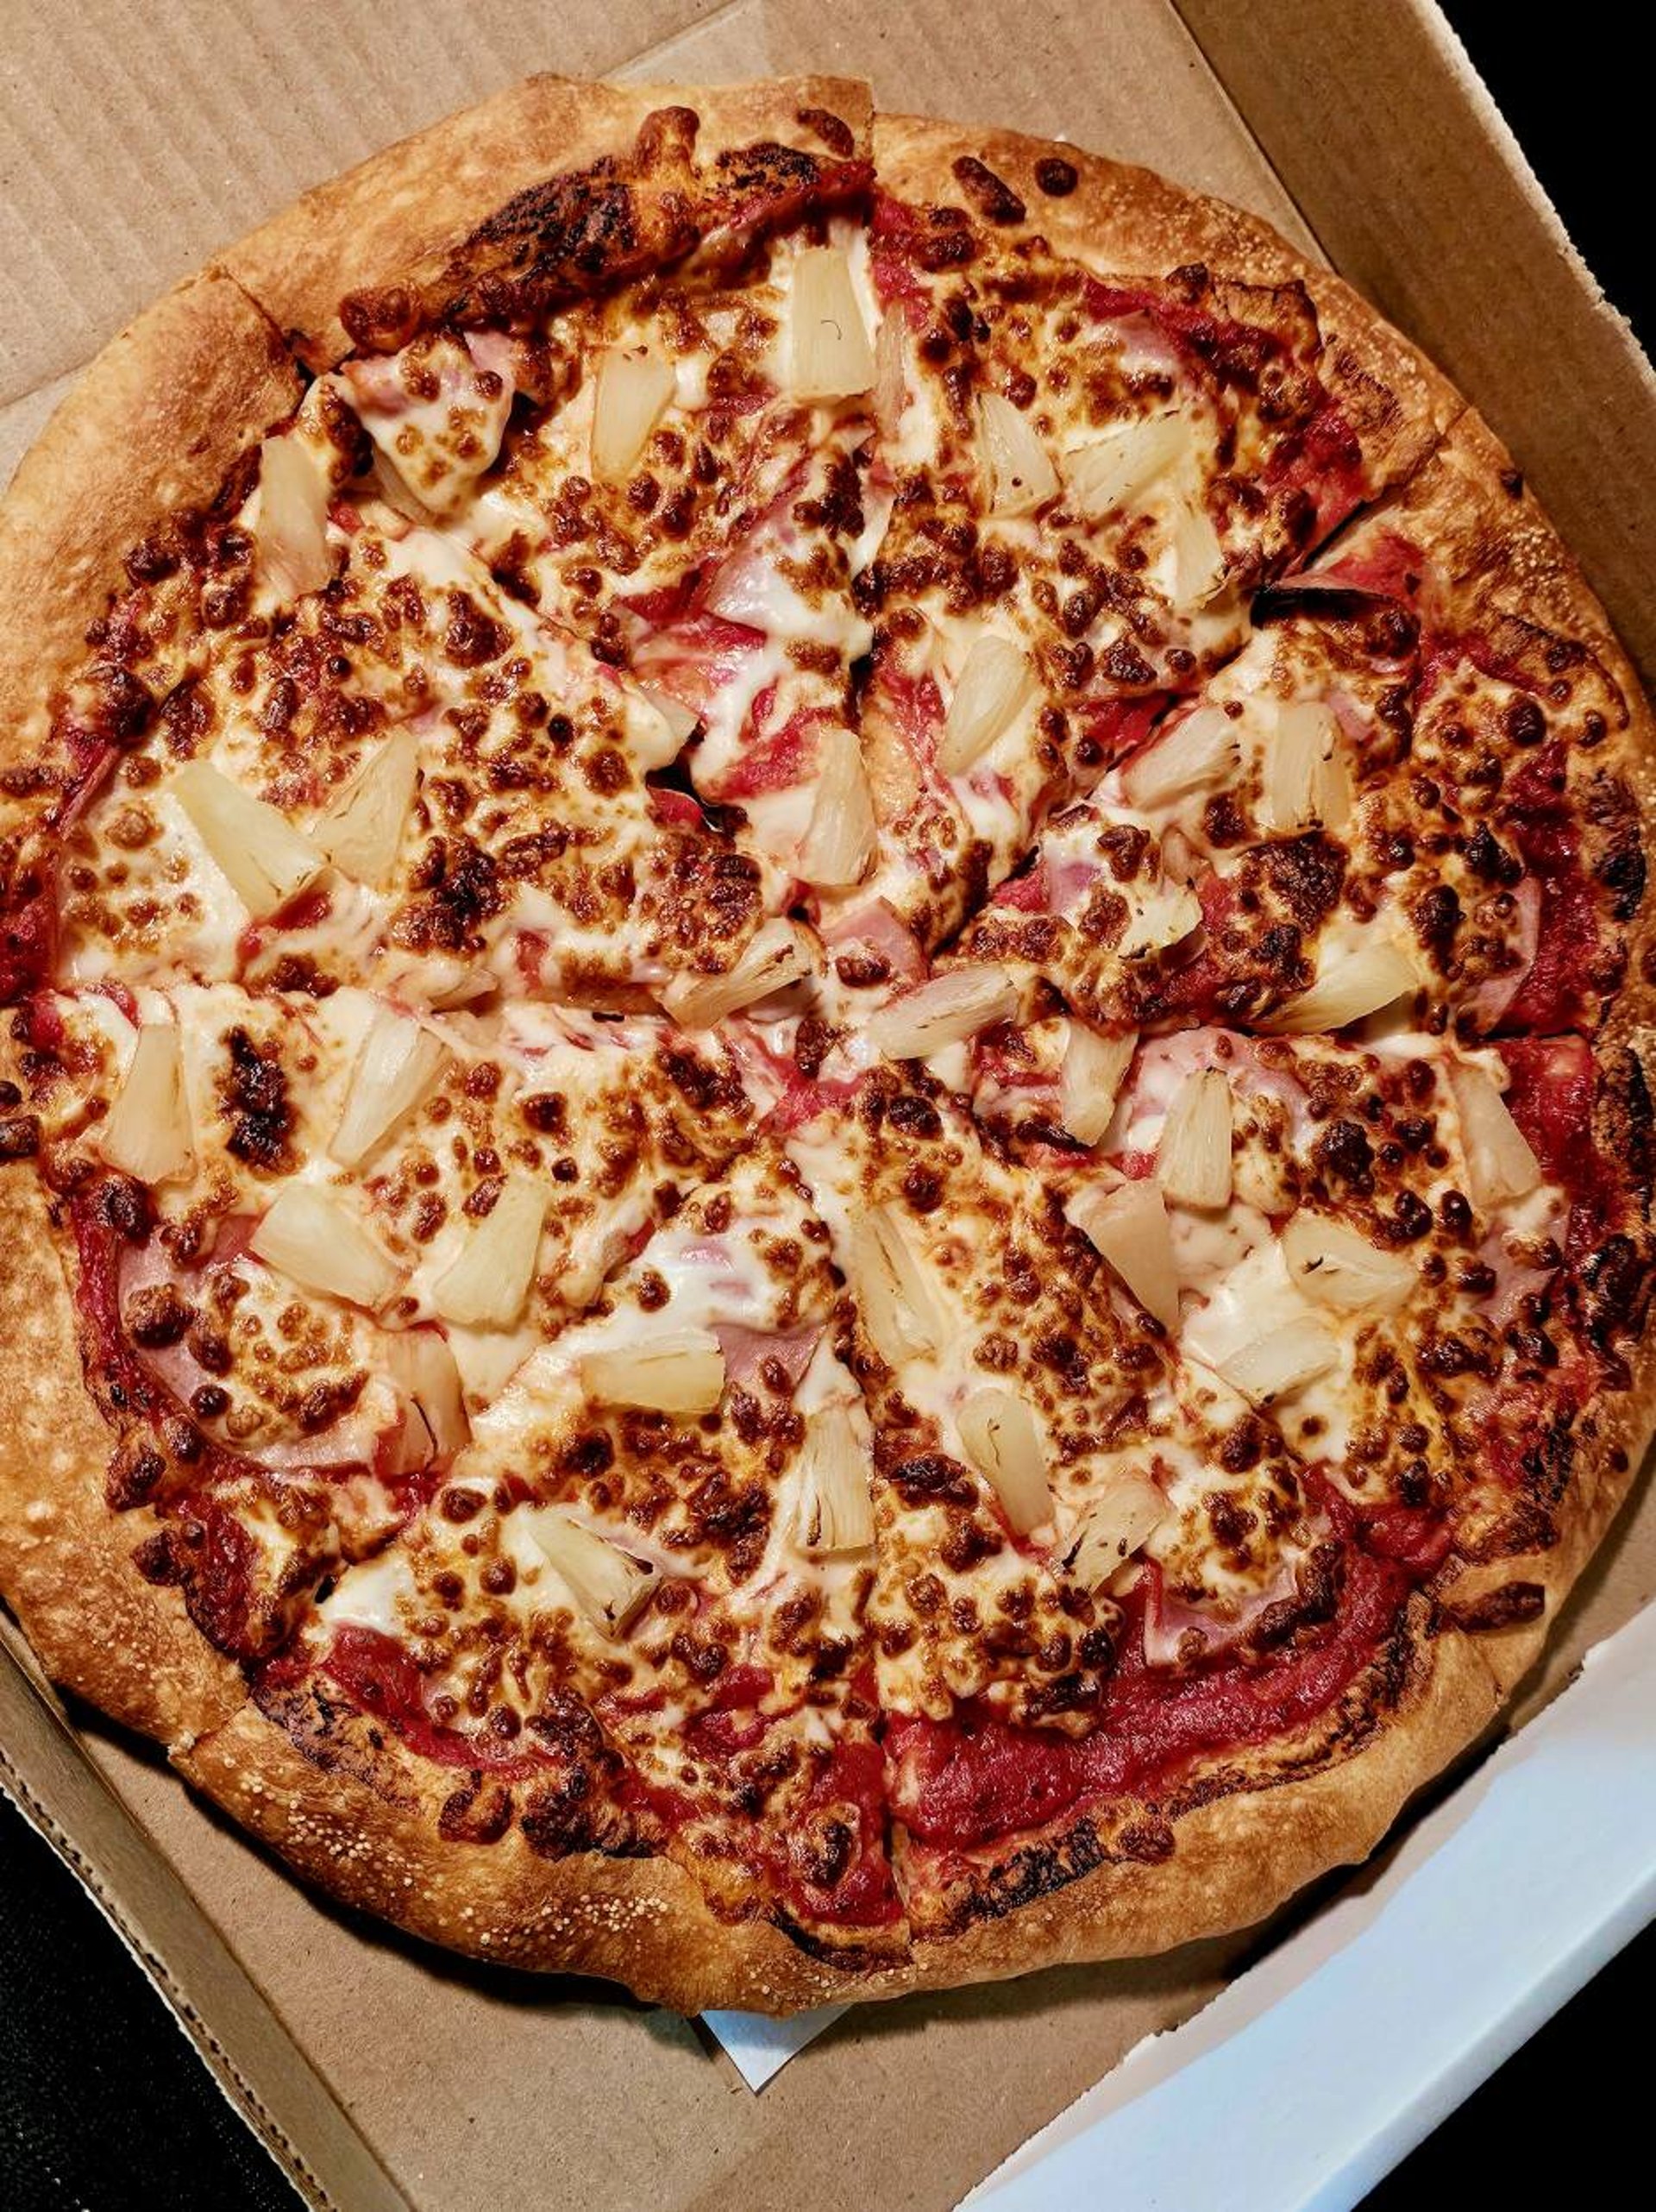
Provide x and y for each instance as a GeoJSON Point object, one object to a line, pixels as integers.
{"type": "Point", "coordinates": [104, 2106]}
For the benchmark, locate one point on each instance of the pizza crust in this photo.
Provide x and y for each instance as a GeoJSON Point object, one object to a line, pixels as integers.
{"type": "Point", "coordinates": [370, 1837]}
{"type": "Point", "coordinates": [1470, 503]}
{"type": "Point", "coordinates": [407, 207]}
{"type": "Point", "coordinates": [375, 1844]}
{"type": "Point", "coordinates": [66, 1559]}
{"type": "Point", "coordinates": [1244, 1854]}
{"type": "Point", "coordinates": [156, 422]}
{"type": "Point", "coordinates": [158, 419]}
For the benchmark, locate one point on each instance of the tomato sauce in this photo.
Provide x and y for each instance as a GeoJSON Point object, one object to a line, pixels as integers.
{"type": "Point", "coordinates": [1326, 461]}
{"type": "Point", "coordinates": [1390, 567]}
{"type": "Point", "coordinates": [731, 1722]}
{"type": "Point", "coordinates": [864, 1896]}
{"type": "Point", "coordinates": [964, 1782]}
{"type": "Point", "coordinates": [378, 1676]}
{"type": "Point", "coordinates": [776, 763]}
{"type": "Point", "coordinates": [1551, 1095]}
{"type": "Point", "coordinates": [1116, 726]}
{"type": "Point", "coordinates": [28, 940]}
{"type": "Point", "coordinates": [1567, 946]}
{"type": "Point", "coordinates": [895, 235]}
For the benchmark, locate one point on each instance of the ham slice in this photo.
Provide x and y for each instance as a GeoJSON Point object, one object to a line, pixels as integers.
{"type": "Point", "coordinates": [360, 1435]}
{"type": "Point", "coordinates": [1170, 1620]}
{"type": "Point", "coordinates": [1485, 1006]}
{"type": "Point", "coordinates": [874, 929]}
{"type": "Point", "coordinates": [768, 1359]}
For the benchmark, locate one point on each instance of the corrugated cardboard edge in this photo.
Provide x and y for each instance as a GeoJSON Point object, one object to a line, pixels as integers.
{"type": "Point", "coordinates": [47, 1774]}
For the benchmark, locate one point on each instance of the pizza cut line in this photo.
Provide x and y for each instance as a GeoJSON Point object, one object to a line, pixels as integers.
{"type": "Point", "coordinates": [830, 1167]}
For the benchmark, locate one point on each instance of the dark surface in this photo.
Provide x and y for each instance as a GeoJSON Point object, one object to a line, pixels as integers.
{"type": "Point", "coordinates": [1494, 2151]}
{"type": "Point", "coordinates": [1578, 105]}
{"type": "Point", "coordinates": [104, 2106]}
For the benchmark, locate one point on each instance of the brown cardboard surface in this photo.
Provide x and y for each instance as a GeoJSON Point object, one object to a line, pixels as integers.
{"type": "Point", "coordinates": [136, 140]}
{"type": "Point", "coordinates": [1447, 230]}
{"type": "Point", "coordinates": [131, 146]}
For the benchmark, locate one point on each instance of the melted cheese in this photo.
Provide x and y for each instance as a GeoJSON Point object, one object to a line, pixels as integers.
{"type": "Point", "coordinates": [437, 412]}
{"type": "Point", "coordinates": [382, 1595]}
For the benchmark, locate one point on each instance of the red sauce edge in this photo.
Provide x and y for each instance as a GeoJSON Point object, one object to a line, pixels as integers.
{"type": "Point", "coordinates": [967, 1782]}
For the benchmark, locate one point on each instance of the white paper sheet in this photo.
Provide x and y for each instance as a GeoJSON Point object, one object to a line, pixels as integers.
{"type": "Point", "coordinates": [761, 2047]}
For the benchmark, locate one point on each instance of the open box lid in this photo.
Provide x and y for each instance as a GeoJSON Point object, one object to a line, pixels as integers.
{"type": "Point", "coordinates": [147, 141]}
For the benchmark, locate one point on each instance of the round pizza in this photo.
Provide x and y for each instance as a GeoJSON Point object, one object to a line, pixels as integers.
{"type": "Point", "coordinates": [828, 1161]}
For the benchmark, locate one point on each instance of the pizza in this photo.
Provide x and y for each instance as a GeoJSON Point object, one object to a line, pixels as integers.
{"type": "Point", "coordinates": [828, 1160]}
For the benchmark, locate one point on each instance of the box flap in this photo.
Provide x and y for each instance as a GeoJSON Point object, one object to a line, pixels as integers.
{"type": "Point", "coordinates": [1392, 149]}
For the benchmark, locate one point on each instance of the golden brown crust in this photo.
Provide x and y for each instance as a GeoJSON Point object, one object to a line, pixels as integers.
{"type": "Point", "coordinates": [1115, 218]}
{"type": "Point", "coordinates": [155, 424]}
{"type": "Point", "coordinates": [66, 1561]}
{"type": "Point", "coordinates": [643, 1921]}
{"type": "Point", "coordinates": [407, 207]}
{"type": "Point", "coordinates": [373, 1842]}
{"type": "Point", "coordinates": [1487, 530]}
{"type": "Point", "coordinates": [1121, 221]}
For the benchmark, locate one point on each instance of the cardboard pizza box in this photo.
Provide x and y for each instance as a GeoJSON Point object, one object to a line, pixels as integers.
{"type": "Point", "coordinates": [384, 2073]}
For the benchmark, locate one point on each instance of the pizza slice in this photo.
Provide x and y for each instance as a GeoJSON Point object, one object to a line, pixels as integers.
{"type": "Point", "coordinates": [1408, 781]}
{"type": "Point", "coordinates": [383, 765]}
{"type": "Point", "coordinates": [1090, 471]}
{"type": "Point", "coordinates": [1104, 1569]}
{"type": "Point", "coordinates": [996, 1393]}
{"type": "Point", "coordinates": [695, 505]}
{"type": "Point", "coordinates": [675, 472]}
{"type": "Point", "coordinates": [1391, 1250]}
{"type": "Point", "coordinates": [312, 1239]}
{"type": "Point", "coordinates": [631, 1618]}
